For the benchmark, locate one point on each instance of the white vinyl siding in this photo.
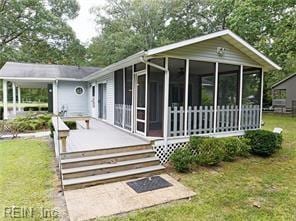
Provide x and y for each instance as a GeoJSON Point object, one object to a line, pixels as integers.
{"type": "Point", "coordinates": [109, 80]}
{"type": "Point", "coordinates": [76, 105]}
{"type": "Point", "coordinates": [207, 51]}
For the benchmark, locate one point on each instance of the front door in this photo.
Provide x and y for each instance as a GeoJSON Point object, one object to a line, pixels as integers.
{"type": "Point", "coordinates": [102, 107]}
{"type": "Point", "coordinates": [140, 102]}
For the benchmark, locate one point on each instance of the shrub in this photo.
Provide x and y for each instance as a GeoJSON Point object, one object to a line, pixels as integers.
{"type": "Point", "coordinates": [263, 143]}
{"type": "Point", "coordinates": [234, 146]}
{"type": "Point", "coordinates": [51, 128]}
{"type": "Point", "coordinates": [209, 151]}
{"type": "Point", "coordinates": [182, 159]}
{"type": "Point", "coordinates": [71, 124]}
{"type": "Point", "coordinates": [32, 122]}
{"type": "Point", "coordinates": [194, 143]}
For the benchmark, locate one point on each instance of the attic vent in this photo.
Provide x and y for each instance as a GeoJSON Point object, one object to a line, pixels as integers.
{"type": "Point", "coordinates": [220, 51]}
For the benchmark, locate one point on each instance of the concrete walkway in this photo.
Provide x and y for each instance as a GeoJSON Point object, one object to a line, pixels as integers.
{"type": "Point", "coordinates": [116, 198]}
{"type": "Point", "coordinates": [28, 135]}
{"type": "Point", "coordinates": [100, 135]}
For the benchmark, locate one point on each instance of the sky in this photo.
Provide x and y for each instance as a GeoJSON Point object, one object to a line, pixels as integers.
{"type": "Point", "coordinates": [84, 25]}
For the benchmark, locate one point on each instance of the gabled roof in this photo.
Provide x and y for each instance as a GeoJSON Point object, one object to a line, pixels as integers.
{"type": "Point", "coordinates": [284, 80]}
{"type": "Point", "coordinates": [12, 70]}
{"type": "Point", "coordinates": [227, 35]}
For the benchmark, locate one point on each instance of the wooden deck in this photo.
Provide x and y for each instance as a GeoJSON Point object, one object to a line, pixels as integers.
{"type": "Point", "coordinates": [100, 135]}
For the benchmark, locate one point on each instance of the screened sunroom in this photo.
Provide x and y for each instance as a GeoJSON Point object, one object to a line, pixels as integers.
{"type": "Point", "coordinates": [203, 98]}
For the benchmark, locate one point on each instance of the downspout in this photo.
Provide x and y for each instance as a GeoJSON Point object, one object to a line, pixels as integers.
{"type": "Point", "coordinates": [166, 98]}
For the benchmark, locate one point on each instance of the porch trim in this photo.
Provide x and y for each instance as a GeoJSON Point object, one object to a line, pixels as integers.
{"type": "Point", "coordinates": [261, 98]}
{"type": "Point", "coordinates": [5, 105]}
{"type": "Point", "coordinates": [216, 97]}
{"type": "Point", "coordinates": [186, 96]}
{"type": "Point", "coordinates": [240, 96]}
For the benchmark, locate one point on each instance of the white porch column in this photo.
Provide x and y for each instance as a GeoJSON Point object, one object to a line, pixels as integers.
{"type": "Point", "coordinates": [14, 98]}
{"type": "Point", "coordinates": [216, 96]}
{"type": "Point", "coordinates": [133, 111]}
{"type": "Point", "coordinates": [240, 96]}
{"type": "Point", "coordinates": [166, 102]}
{"type": "Point", "coordinates": [261, 98]}
{"type": "Point", "coordinates": [123, 94]}
{"type": "Point", "coordinates": [19, 98]}
{"type": "Point", "coordinates": [55, 97]}
{"type": "Point", "coordinates": [5, 106]}
{"type": "Point", "coordinates": [186, 97]}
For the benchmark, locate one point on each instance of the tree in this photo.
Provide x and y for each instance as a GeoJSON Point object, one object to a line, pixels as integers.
{"type": "Point", "coordinates": [127, 27]}
{"type": "Point", "coordinates": [131, 26]}
{"type": "Point", "coordinates": [36, 31]}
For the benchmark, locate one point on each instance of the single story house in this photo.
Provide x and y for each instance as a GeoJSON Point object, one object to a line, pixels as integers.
{"type": "Point", "coordinates": [212, 84]}
{"type": "Point", "coordinates": [284, 93]}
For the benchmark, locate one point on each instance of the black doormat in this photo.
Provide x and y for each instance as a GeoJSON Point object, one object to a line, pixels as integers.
{"type": "Point", "coordinates": [149, 184]}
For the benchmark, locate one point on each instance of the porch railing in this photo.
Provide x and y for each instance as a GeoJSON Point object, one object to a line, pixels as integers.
{"type": "Point", "coordinates": [201, 119]}
{"type": "Point", "coordinates": [128, 117]}
{"type": "Point", "coordinates": [250, 118]}
{"type": "Point", "coordinates": [227, 118]}
{"type": "Point", "coordinates": [121, 110]}
{"type": "Point", "coordinates": [118, 115]}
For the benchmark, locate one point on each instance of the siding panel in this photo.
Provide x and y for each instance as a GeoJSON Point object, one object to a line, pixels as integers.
{"type": "Point", "coordinates": [76, 105]}
{"type": "Point", "coordinates": [207, 50]}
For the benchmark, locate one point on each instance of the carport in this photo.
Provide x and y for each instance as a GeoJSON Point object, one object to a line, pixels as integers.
{"type": "Point", "coordinates": [27, 75]}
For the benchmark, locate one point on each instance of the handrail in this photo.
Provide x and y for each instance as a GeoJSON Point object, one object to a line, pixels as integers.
{"type": "Point", "coordinates": [62, 130]}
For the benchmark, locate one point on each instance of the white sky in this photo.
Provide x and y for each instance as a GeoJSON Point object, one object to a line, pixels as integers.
{"type": "Point", "coordinates": [84, 25]}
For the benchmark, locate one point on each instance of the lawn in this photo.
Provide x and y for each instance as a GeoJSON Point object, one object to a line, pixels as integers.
{"type": "Point", "coordinates": [27, 177]}
{"type": "Point", "coordinates": [247, 189]}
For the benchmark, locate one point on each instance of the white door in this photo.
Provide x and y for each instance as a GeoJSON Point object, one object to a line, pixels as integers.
{"type": "Point", "coordinates": [102, 103]}
{"type": "Point", "coordinates": [140, 107]}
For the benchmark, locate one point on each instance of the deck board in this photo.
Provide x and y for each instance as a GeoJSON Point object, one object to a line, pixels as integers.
{"type": "Point", "coordinates": [100, 135]}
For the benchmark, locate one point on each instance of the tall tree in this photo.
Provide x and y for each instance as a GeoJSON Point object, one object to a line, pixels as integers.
{"type": "Point", "coordinates": [132, 25]}
{"type": "Point", "coordinates": [127, 27]}
{"type": "Point", "coordinates": [36, 31]}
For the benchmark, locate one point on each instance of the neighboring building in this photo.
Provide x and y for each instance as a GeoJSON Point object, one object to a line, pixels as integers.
{"type": "Point", "coordinates": [206, 85]}
{"type": "Point", "coordinates": [284, 93]}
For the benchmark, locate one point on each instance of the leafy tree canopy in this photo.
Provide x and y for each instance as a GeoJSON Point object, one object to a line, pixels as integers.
{"type": "Point", "coordinates": [36, 31]}
{"type": "Point", "coordinates": [128, 26]}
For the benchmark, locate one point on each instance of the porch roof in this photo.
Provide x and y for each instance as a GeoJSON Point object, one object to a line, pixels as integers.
{"type": "Point", "coordinates": [284, 80]}
{"type": "Point", "coordinates": [43, 72]}
{"type": "Point", "coordinates": [227, 35]}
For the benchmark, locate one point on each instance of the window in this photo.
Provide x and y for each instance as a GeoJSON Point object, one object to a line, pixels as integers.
{"type": "Point", "coordinates": [177, 69]}
{"type": "Point", "coordinates": [79, 90]}
{"type": "Point", "coordinates": [251, 86]}
{"type": "Point", "coordinates": [177, 82]}
{"type": "Point", "coordinates": [119, 86]}
{"type": "Point", "coordinates": [128, 85]}
{"type": "Point", "coordinates": [228, 84]}
{"type": "Point", "coordinates": [155, 98]}
{"type": "Point", "coordinates": [201, 84]}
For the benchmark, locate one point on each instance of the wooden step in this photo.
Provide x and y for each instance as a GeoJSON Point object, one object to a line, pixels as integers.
{"type": "Point", "coordinates": [106, 158]}
{"type": "Point", "coordinates": [108, 168]}
{"type": "Point", "coordinates": [83, 182]}
{"type": "Point", "coordinates": [107, 150]}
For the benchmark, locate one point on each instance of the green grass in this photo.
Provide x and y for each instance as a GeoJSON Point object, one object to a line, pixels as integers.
{"type": "Point", "coordinates": [27, 177]}
{"type": "Point", "coordinates": [229, 192]}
